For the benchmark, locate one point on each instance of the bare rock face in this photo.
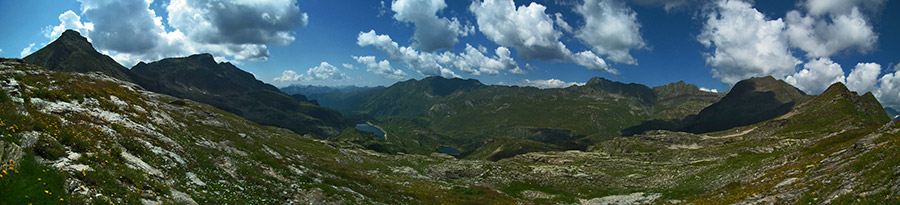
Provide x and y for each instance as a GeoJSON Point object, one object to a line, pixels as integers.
{"type": "Point", "coordinates": [10, 154]}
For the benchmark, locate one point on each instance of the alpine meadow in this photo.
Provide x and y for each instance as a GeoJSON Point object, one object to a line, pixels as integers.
{"type": "Point", "coordinates": [449, 102]}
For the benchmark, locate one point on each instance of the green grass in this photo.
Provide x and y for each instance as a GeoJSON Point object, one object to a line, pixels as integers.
{"type": "Point", "coordinates": [33, 183]}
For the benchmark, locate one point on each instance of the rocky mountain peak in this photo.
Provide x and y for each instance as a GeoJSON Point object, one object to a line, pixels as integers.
{"type": "Point", "coordinates": [749, 101]}
{"type": "Point", "coordinates": [72, 52]}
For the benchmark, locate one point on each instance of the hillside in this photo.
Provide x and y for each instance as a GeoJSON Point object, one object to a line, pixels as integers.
{"type": "Point", "coordinates": [89, 138]}
{"type": "Point", "coordinates": [495, 122]}
{"type": "Point", "coordinates": [200, 78]}
{"type": "Point", "coordinates": [748, 102]}
{"type": "Point", "coordinates": [73, 53]}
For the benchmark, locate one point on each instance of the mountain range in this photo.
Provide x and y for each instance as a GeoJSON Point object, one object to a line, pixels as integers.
{"type": "Point", "coordinates": [190, 130]}
{"type": "Point", "coordinates": [199, 78]}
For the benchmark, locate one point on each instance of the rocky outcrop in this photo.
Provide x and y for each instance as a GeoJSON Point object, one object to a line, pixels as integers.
{"type": "Point", "coordinates": [10, 155]}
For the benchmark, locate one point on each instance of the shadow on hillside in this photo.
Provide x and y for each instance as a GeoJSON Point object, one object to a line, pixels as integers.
{"type": "Point", "coordinates": [730, 112]}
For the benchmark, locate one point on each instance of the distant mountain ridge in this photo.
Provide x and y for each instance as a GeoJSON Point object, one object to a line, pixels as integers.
{"type": "Point", "coordinates": [894, 114]}
{"type": "Point", "coordinates": [308, 90]}
{"type": "Point", "coordinates": [472, 116]}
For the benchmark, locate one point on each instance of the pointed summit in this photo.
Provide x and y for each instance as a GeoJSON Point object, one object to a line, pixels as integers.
{"type": "Point", "coordinates": [838, 106]}
{"type": "Point", "coordinates": [71, 52]}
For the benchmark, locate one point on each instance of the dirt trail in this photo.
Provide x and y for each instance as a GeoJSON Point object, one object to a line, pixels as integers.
{"type": "Point", "coordinates": [732, 135]}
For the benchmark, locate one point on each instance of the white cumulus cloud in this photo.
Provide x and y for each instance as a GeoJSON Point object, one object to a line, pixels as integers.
{"type": "Point", "coordinates": [745, 43]}
{"type": "Point", "coordinates": [472, 61]}
{"type": "Point", "coordinates": [611, 28]}
{"type": "Point", "coordinates": [822, 7]}
{"type": "Point", "coordinates": [816, 76]}
{"type": "Point", "coordinates": [324, 71]}
{"type": "Point", "coordinates": [130, 31]}
{"type": "Point", "coordinates": [888, 92]}
{"type": "Point", "coordinates": [237, 22]}
{"type": "Point", "coordinates": [592, 62]}
{"type": "Point", "coordinates": [431, 32]}
{"type": "Point", "coordinates": [668, 5]}
{"type": "Point", "coordinates": [27, 50]}
{"type": "Point", "coordinates": [820, 37]}
{"type": "Point", "coordinates": [68, 20]}
{"type": "Point", "coordinates": [530, 31]}
{"type": "Point", "coordinates": [863, 77]}
{"type": "Point", "coordinates": [382, 67]}
{"type": "Point", "coordinates": [288, 75]}
{"type": "Point", "coordinates": [709, 90]}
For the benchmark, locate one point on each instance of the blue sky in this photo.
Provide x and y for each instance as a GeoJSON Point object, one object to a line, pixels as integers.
{"type": "Point", "coordinates": [543, 43]}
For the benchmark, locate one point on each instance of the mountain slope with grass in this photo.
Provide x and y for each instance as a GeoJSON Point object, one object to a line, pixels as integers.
{"type": "Point", "coordinates": [90, 138]}
{"type": "Point", "coordinates": [200, 78]}
{"type": "Point", "coordinates": [70, 138]}
{"type": "Point", "coordinates": [841, 158]}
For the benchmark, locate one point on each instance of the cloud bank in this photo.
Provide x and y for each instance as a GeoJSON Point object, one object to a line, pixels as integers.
{"type": "Point", "coordinates": [130, 31]}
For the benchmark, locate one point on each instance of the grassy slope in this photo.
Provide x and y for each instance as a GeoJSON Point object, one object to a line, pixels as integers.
{"type": "Point", "coordinates": [226, 152]}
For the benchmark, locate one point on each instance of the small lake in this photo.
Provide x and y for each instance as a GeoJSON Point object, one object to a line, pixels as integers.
{"type": "Point", "coordinates": [368, 128]}
{"type": "Point", "coordinates": [448, 150]}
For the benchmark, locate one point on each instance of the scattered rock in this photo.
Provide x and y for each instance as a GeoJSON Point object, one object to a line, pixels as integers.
{"type": "Point", "coordinates": [532, 195]}
{"type": "Point", "coordinates": [194, 179]}
{"type": "Point", "coordinates": [10, 154]}
{"type": "Point", "coordinates": [181, 197]}
{"type": "Point", "coordinates": [787, 182]}
{"type": "Point", "coordinates": [633, 198]}
{"type": "Point", "coordinates": [137, 163]}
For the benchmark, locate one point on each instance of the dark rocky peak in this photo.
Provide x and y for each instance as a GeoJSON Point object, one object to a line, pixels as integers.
{"type": "Point", "coordinates": [749, 101]}
{"type": "Point", "coordinates": [71, 52]}
{"type": "Point", "coordinates": [765, 84]}
{"type": "Point", "coordinates": [200, 71]}
{"type": "Point", "coordinates": [72, 35]}
{"type": "Point", "coordinates": [754, 87]}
